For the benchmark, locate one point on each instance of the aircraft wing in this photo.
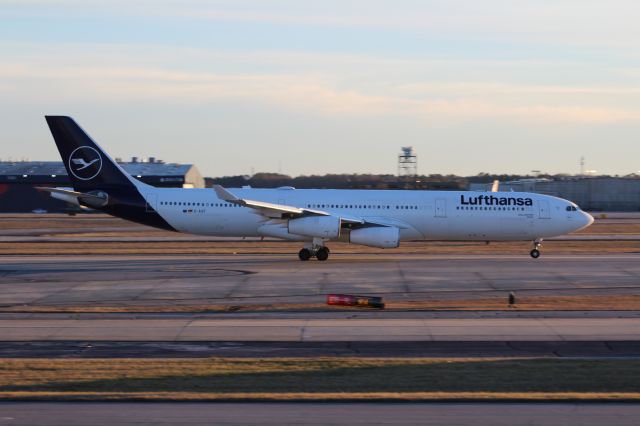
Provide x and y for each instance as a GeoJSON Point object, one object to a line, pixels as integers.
{"type": "Point", "coordinates": [279, 211]}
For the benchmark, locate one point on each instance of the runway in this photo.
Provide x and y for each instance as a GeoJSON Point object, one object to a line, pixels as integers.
{"type": "Point", "coordinates": [379, 349]}
{"type": "Point", "coordinates": [174, 280]}
{"type": "Point", "coordinates": [480, 414]}
{"type": "Point", "coordinates": [157, 281]}
{"type": "Point", "coordinates": [347, 328]}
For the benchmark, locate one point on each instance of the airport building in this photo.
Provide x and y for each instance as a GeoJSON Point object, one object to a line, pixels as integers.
{"type": "Point", "coordinates": [590, 193]}
{"type": "Point", "coordinates": [19, 180]}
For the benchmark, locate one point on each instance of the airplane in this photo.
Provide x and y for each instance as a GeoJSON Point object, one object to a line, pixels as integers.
{"type": "Point", "coordinates": [313, 217]}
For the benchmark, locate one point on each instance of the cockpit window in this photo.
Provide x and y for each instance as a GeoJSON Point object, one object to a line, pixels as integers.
{"type": "Point", "coordinates": [571, 209]}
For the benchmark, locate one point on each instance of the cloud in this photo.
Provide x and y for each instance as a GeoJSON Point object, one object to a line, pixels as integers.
{"type": "Point", "coordinates": [574, 22]}
{"type": "Point", "coordinates": [317, 94]}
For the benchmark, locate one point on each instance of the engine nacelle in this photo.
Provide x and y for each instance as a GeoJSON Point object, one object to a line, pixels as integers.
{"type": "Point", "coordinates": [279, 230]}
{"type": "Point", "coordinates": [316, 226]}
{"type": "Point", "coordinates": [378, 236]}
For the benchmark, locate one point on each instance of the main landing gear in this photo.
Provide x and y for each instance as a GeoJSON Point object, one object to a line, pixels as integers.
{"type": "Point", "coordinates": [316, 250]}
{"type": "Point", "coordinates": [321, 253]}
{"type": "Point", "coordinates": [535, 253]}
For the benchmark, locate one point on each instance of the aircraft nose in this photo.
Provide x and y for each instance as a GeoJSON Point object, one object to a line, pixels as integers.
{"type": "Point", "coordinates": [587, 218]}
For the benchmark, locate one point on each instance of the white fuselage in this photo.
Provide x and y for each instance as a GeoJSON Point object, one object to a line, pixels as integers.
{"type": "Point", "coordinates": [420, 215]}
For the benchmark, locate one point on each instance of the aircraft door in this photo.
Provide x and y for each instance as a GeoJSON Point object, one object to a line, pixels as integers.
{"type": "Point", "coordinates": [441, 208]}
{"type": "Point", "coordinates": [152, 202]}
{"type": "Point", "coordinates": [543, 206]}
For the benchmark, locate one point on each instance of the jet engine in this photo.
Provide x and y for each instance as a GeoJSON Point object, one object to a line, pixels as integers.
{"type": "Point", "coordinates": [316, 226]}
{"type": "Point", "coordinates": [378, 236]}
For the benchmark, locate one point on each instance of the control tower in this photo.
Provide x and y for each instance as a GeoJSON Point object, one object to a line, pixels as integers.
{"type": "Point", "coordinates": [407, 163]}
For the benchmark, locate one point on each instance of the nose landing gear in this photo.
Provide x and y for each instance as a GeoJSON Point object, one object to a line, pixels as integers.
{"type": "Point", "coordinates": [535, 253]}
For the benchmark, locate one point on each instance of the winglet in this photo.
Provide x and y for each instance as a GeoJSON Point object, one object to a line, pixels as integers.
{"type": "Point", "coordinates": [224, 195]}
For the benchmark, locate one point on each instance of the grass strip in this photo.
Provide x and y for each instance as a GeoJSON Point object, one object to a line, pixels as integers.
{"type": "Point", "coordinates": [524, 303]}
{"type": "Point", "coordinates": [322, 396]}
{"type": "Point", "coordinates": [320, 379]}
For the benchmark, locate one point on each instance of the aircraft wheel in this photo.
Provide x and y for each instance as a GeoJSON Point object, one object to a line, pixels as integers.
{"type": "Point", "coordinates": [322, 254]}
{"type": "Point", "coordinates": [535, 253]}
{"type": "Point", "coordinates": [304, 254]}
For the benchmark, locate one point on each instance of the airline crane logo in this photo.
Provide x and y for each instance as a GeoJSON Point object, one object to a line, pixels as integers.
{"type": "Point", "coordinates": [85, 163]}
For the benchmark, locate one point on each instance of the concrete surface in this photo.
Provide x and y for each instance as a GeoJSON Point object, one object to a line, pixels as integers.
{"type": "Point", "coordinates": [227, 279]}
{"type": "Point", "coordinates": [175, 329]}
{"type": "Point", "coordinates": [282, 414]}
{"type": "Point", "coordinates": [460, 349]}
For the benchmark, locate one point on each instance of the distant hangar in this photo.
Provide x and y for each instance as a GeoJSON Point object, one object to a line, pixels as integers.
{"type": "Point", "coordinates": [19, 179]}
{"type": "Point", "coordinates": [597, 193]}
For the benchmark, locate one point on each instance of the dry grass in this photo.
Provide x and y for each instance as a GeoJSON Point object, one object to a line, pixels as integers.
{"type": "Point", "coordinates": [85, 226]}
{"type": "Point", "coordinates": [532, 303]}
{"type": "Point", "coordinates": [319, 378]}
{"type": "Point", "coordinates": [277, 247]}
{"type": "Point", "coordinates": [322, 396]}
{"type": "Point", "coordinates": [529, 303]}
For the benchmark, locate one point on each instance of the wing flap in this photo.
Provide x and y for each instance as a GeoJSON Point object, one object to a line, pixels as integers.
{"type": "Point", "coordinates": [278, 211]}
{"type": "Point", "coordinates": [268, 209]}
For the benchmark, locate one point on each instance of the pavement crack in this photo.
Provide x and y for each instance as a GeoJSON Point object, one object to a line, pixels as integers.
{"type": "Point", "coordinates": [485, 280]}
{"type": "Point", "coordinates": [184, 328]}
{"type": "Point", "coordinates": [303, 330]}
{"type": "Point", "coordinates": [323, 282]}
{"type": "Point", "coordinates": [403, 279]}
{"type": "Point", "coordinates": [240, 284]}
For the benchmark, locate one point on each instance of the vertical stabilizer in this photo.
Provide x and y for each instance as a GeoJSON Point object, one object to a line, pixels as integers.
{"type": "Point", "coordinates": [88, 166]}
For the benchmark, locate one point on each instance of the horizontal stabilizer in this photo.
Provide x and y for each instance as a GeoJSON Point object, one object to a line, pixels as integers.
{"type": "Point", "coordinates": [97, 199]}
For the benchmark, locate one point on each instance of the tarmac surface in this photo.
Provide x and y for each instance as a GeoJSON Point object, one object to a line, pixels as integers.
{"type": "Point", "coordinates": [381, 349]}
{"type": "Point", "coordinates": [170, 280]}
{"type": "Point", "coordinates": [346, 329]}
{"type": "Point", "coordinates": [480, 414]}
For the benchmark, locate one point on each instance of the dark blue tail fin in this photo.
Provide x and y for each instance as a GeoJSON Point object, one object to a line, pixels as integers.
{"type": "Point", "coordinates": [99, 181]}
{"type": "Point", "coordinates": [88, 166]}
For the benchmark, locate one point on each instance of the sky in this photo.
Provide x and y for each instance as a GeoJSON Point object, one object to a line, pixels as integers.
{"type": "Point", "coordinates": [298, 87]}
